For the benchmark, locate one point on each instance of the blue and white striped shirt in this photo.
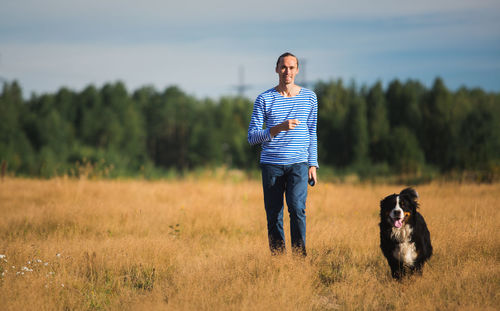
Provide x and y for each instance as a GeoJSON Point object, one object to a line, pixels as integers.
{"type": "Point", "coordinates": [288, 147]}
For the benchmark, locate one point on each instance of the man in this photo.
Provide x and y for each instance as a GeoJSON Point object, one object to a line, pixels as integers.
{"type": "Point", "coordinates": [289, 152]}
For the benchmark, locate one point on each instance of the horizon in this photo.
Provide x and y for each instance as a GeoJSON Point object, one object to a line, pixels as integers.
{"type": "Point", "coordinates": [310, 85]}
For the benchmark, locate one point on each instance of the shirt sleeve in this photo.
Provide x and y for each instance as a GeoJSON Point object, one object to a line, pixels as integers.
{"type": "Point", "coordinates": [256, 134]}
{"type": "Point", "coordinates": [312, 124]}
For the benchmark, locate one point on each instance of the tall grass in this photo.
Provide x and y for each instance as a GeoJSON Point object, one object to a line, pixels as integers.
{"type": "Point", "coordinates": [202, 245]}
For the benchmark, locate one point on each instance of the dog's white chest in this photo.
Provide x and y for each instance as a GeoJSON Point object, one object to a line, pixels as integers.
{"type": "Point", "coordinates": [405, 251]}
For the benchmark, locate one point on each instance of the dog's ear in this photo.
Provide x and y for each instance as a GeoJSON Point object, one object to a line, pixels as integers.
{"type": "Point", "coordinates": [412, 193]}
{"type": "Point", "coordinates": [382, 202]}
{"type": "Point", "coordinates": [384, 206]}
{"type": "Point", "coordinates": [386, 200]}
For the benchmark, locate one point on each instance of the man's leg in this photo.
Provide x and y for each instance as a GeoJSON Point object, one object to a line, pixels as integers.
{"type": "Point", "coordinates": [296, 195]}
{"type": "Point", "coordinates": [273, 183]}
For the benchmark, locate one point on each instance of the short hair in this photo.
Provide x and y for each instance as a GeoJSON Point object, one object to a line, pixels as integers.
{"type": "Point", "coordinates": [285, 55]}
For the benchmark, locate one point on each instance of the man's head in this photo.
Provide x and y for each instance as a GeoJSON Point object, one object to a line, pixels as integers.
{"type": "Point", "coordinates": [287, 67]}
{"type": "Point", "coordinates": [285, 55]}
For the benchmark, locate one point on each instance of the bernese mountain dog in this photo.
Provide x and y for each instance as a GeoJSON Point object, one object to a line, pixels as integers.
{"type": "Point", "coordinates": [404, 237]}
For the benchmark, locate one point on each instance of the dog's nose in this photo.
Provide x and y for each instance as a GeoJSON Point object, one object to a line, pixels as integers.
{"type": "Point", "coordinates": [397, 213]}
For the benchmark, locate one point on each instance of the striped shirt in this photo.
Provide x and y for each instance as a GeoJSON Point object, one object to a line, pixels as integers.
{"type": "Point", "coordinates": [288, 147]}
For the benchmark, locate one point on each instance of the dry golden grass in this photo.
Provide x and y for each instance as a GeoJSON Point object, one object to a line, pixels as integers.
{"type": "Point", "coordinates": [202, 245]}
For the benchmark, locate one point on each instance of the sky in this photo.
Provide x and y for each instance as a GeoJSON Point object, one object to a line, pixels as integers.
{"type": "Point", "coordinates": [208, 48]}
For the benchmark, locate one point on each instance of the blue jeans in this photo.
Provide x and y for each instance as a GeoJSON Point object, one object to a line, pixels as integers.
{"type": "Point", "coordinates": [290, 180]}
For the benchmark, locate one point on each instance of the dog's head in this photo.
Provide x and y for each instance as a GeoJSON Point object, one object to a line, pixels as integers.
{"type": "Point", "coordinates": [399, 209]}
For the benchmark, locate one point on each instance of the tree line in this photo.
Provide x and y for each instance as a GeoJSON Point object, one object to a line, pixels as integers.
{"type": "Point", "coordinates": [405, 128]}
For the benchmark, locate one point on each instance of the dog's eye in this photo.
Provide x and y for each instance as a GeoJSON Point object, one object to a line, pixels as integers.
{"type": "Point", "coordinates": [407, 214]}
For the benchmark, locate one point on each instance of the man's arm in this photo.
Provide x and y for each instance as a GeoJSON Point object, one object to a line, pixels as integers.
{"type": "Point", "coordinates": [312, 122]}
{"type": "Point", "coordinates": [284, 126]}
{"type": "Point", "coordinates": [256, 134]}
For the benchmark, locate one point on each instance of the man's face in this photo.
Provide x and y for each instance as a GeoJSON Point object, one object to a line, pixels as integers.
{"type": "Point", "coordinates": [287, 69]}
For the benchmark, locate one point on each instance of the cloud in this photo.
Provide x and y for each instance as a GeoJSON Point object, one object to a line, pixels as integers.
{"type": "Point", "coordinates": [187, 12]}
{"type": "Point", "coordinates": [200, 45]}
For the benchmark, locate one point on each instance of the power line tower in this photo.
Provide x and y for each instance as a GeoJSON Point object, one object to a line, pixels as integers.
{"type": "Point", "coordinates": [241, 87]}
{"type": "Point", "coordinates": [2, 79]}
{"type": "Point", "coordinates": [302, 73]}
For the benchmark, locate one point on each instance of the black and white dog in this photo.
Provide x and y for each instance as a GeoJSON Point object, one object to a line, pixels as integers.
{"type": "Point", "coordinates": [404, 237]}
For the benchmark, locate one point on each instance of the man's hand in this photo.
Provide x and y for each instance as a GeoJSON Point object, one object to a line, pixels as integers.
{"type": "Point", "coordinates": [313, 178]}
{"type": "Point", "coordinates": [284, 126]}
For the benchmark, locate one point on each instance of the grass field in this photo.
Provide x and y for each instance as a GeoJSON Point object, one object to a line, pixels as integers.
{"type": "Point", "coordinates": [202, 245]}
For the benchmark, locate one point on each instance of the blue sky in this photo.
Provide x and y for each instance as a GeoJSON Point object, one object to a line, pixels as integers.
{"type": "Point", "coordinates": [200, 46]}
